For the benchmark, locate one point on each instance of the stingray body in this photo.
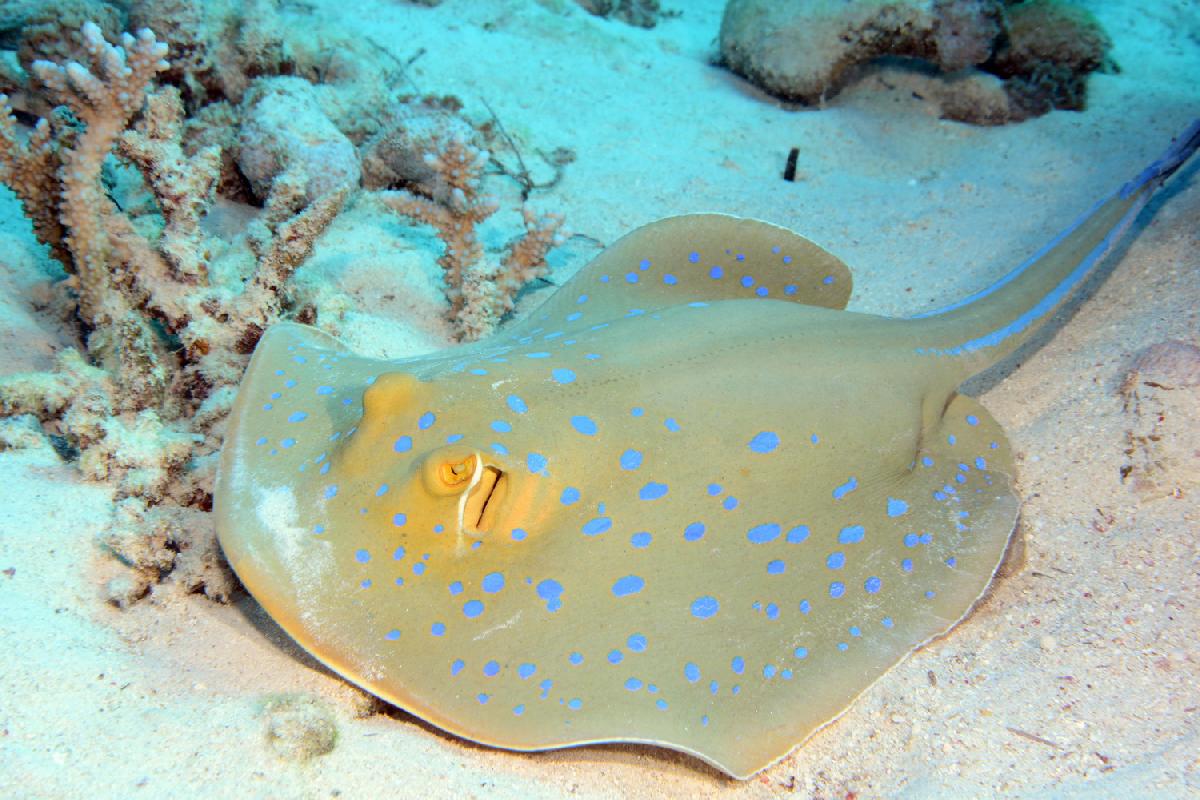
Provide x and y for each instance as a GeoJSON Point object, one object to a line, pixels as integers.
{"type": "Point", "coordinates": [689, 501]}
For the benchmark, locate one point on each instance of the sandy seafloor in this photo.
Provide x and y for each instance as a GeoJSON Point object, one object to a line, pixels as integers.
{"type": "Point", "coordinates": [1092, 647]}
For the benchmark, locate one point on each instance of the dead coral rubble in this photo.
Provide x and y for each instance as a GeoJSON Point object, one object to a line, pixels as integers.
{"type": "Point", "coordinates": [1003, 61]}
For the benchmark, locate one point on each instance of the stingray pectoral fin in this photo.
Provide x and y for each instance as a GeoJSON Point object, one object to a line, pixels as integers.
{"type": "Point", "coordinates": [700, 258]}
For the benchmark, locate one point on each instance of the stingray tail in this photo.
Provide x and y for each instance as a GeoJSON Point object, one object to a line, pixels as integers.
{"type": "Point", "coordinates": [980, 330]}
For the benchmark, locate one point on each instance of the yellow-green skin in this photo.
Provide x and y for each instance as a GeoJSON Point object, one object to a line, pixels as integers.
{"type": "Point", "coordinates": [782, 423]}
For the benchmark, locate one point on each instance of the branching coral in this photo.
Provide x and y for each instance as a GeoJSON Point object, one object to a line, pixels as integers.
{"type": "Point", "coordinates": [164, 343]}
{"type": "Point", "coordinates": [480, 293]}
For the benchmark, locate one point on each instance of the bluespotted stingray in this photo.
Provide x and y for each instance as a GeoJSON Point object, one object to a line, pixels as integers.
{"type": "Point", "coordinates": [689, 501]}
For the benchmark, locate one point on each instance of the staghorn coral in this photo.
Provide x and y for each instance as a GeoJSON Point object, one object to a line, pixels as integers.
{"type": "Point", "coordinates": [480, 292]}
{"type": "Point", "coordinates": [164, 342]}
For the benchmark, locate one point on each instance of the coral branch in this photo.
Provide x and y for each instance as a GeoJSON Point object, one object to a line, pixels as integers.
{"type": "Point", "coordinates": [479, 294]}
{"type": "Point", "coordinates": [105, 103]}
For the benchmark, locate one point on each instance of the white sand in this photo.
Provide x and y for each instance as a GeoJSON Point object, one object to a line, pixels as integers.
{"type": "Point", "coordinates": [1077, 679]}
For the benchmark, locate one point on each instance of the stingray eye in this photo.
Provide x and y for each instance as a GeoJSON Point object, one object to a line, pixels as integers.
{"type": "Point", "coordinates": [457, 473]}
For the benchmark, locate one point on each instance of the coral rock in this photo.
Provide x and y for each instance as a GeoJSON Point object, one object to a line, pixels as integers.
{"type": "Point", "coordinates": [285, 131]}
{"type": "Point", "coordinates": [807, 50]}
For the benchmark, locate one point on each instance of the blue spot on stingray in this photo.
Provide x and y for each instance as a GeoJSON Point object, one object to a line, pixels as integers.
{"type": "Point", "coordinates": [691, 672]}
{"type": "Point", "coordinates": [761, 534]}
{"type": "Point", "coordinates": [457, 666]}
{"type": "Point", "coordinates": [518, 534]}
{"type": "Point", "coordinates": [769, 671]}
{"type": "Point", "coordinates": [907, 565]}
{"type": "Point", "coordinates": [584, 425]}
{"type": "Point", "coordinates": [952, 439]}
{"type": "Point", "coordinates": [500, 426]}
{"type": "Point", "coordinates": [670, 279]}
{"type": "Point", "coordinates": [837, 589]}
{"type": "Point", "coordinates": [631, 277]}
{"type": "Point", "coordinates": [537, 355]}
{"type": "Point", "coordinates": [652, 491]}
{"type": "Point", "coordinates": [797, 534]}
{"type": "Point", "coordinates": [729, 503]}
{"type": "Point", "coordinates": [633, 684]}
{"type": "Point", "coordinates": [499, 449]}
{"type": "Point", "coordinates": [716, 273]}
{"type": "Point", "coordinates": [563, 375]}
{"type": "Point", "coordinates": [493, 582]}
{"type": "Point", "coordinates": [845, 488]}
{"type": "Point", "coordinates": [491, 669]}
{"type": "Point", "coordinates": [972, 419]}
{"type": "Point", "coordinates": [631, 459]}
{"type": "Point", "coordinates": [616, 657]}
{"type": "Point", "coordinates": [519, 709]}
{"type": "Point", "coordinates": [637, 411]}
{"type": "Point", "coordinates": [660, 703]}
{"type": "Point", "coordinates": [516, 404]}
{"type": "Point", "coordinates": [526, 671]}
{"type": "Point", "coordinates": [738, 665]}
{"type": "Point", "coordinates": [630, 584]}
{"type": "Point", "coordinates": [980, 463]}
{"type": "Point", "coordinates": [330, 492]}
{"type": "Point", "coordinates": [403, 444]}
{"type": "Point", "coordinates": [456, 587]}
{"type": "Point", "coordinates": [873, 585]}
{"type": "Point", "coordinates": [693, 257]}
{"type": "Point", "coordinates": [398, 519]}
{"type": "Point", "coordinates": [597, 525]}
{"type": "Point", "coordinates": [896, 508]}
{"type": "Point", "coordinates": [805, 606]}
{"type": "Point", "coordinates": [438, 629]}
{"type": "Point", "coordinates": [549, 590]}
{"type": "Point", "coordinates": [574, 315]}
{"type": "Point", "coordinates": [828, 279]}
{"type": "Point", "coordinates": [672, 425]}
{"type": "Point", "coordinates": [637, 643]}
{"type": "Point", "coordinates": [747, 281]}
{"type": "Point", "coordinates": [392, 635]}
{"type": "Point", "coordinates": [426, 421]}
{"type": "Point", "coordinates": [835, 560]}
{"type": "Point", "coordinates": [399, 554]}
{"type": "Point", "coordinates": [764, 442]}
{"type": "Point", "coordinates": [536, 462]}
{"type": "Point", "coordinates": [472, 608]}
{"type": "Point", "coordinates": [694, 531]}
{"type": "Point", "coordinates": [851, 534]}
{"type": "Point", "coordinates": [575, 658]}
{"type": "Point", "coordinates": [324, 390]}
{"type": "Point", "coordinates": [483, 698]}
{"type": "Point", "coordinates": [454, 437]}
{"type": "Point", "coordinates": [714, 489]}
{"type": "Point", "coordinates": [641, 539]}
{"type": "Point", "coordinates": [705, 607]}
{"type": "Point", "coordinates": [362, 556]}
{"type": "Point", "coordinates": [299, 416]}
{"type": "Point", "coordinates": [569, 495]}
{"type": "Point", "coordinates": [776, 567]}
